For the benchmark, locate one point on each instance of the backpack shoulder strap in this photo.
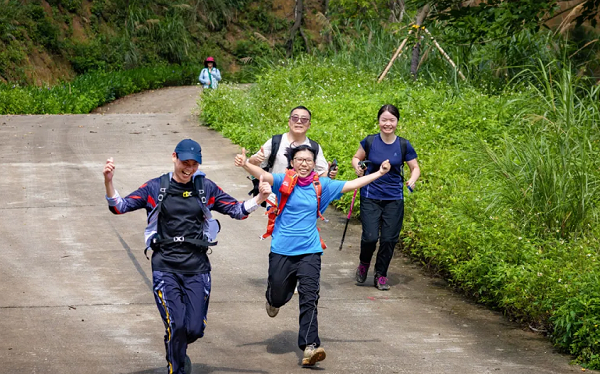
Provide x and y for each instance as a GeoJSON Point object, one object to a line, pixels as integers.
{"type": "Point", "coordinates": [289, 182]}
{"type": "Point", "coordinates": [199, 188]}
{"type": "Point", "coordinates": [314, 145]}
{"type": "Point", "coordinates": [403, 145]}
{"type": "Point", "coordinates": [368, 142]}
{"type": "Point", "coordinates": [165, 180]}
{"type": "Point", "coordinates": [275, 143]}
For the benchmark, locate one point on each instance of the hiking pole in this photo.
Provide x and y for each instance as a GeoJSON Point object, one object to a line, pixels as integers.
{"type": "Point", "coordinates": [348, 219]}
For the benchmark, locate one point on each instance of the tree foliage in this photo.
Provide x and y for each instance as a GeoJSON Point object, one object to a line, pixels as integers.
{"type": "Point", "coordinates": [491, 19]}
{"type": "Point", "coordinates": [361, 9]}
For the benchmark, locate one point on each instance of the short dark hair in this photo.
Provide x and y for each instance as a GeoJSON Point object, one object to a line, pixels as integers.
{"type": "Point", "coordinates": [291, 151]}
{"type": "Point", "coordinates": [389, 108]}
{"type": "Point", "coordinates": [301, 107]}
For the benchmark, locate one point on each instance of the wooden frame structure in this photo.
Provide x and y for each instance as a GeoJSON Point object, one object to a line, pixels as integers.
{"type": "Point", "coordinates": [403, 44]}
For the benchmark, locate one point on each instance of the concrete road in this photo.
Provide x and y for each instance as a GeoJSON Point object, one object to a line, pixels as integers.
{"type": "Point", "coordinates": [76, 285]}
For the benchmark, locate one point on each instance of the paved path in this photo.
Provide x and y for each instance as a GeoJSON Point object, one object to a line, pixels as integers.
{"type": "Point", "coordinates": [76, 285]}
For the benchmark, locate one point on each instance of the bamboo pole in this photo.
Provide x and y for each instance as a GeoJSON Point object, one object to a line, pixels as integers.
{"type": "Point", "coordinates": [398, 51]}
{"type": "Point", "coordinates": [445, 55]}
{"type": "Point", "coordinates": [424, 57]}
{"type": "Point", "coordinates": [579, 50]}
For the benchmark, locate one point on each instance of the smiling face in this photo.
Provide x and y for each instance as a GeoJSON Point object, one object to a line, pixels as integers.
{"type": "Point", "coordinates": [210, 65]}
{"type": "Point", "coordinates": [184, 169]}
{"type": "Point", "coordinates": [299, 122]}
{"type": "Point", "coordinates": [387, 123]}
{"type": "Point", "coordinates": [303, 163]}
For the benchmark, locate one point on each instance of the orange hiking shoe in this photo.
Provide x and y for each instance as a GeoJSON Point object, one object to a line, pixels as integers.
{"type": "Point", "coordinates": [312, 355]}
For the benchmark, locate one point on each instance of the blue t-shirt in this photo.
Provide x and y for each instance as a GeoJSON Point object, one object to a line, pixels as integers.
{"type": "Point", "coordinates": [389, 186]}
{"type": "Point", "coordinates": [295, 231]}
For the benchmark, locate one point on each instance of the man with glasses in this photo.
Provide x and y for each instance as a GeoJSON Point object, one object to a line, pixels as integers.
{"type": "Point", "coordinates": [299, 123]}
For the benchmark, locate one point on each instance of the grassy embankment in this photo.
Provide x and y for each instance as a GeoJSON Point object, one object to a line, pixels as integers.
{"type": "Point", "coordinates": [89, 91]}
{"type": "Point", "coordinates": [506, 208]}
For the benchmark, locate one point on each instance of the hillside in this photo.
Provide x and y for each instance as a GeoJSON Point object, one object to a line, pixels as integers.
{"type": "Point", "coordinates": [42, 42]}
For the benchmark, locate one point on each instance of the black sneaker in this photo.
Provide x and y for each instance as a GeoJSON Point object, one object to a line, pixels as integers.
{"type": "Point", "coordinates": [187, 368]}
{"type": "Point", "coordinates": [361, 272]}
{"type": "Point", "coordinates": [271, 310]}
{"type": "Point", "coordinates": [381, 282]}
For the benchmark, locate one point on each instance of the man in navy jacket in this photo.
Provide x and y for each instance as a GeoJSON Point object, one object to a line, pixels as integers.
{"type": "Point", "coordinates": [180, 229]}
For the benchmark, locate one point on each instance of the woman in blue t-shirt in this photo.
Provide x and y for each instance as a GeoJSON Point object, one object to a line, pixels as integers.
{"type": "Point", "coordinates": [381, 202]}
{"type": "Point", "coordinates": [296, 246]}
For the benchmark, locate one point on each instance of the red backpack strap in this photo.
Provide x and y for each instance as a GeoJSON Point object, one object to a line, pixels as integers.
{"type": "Point", "coordinates": [323, 245]}
{"type": "Point", "coordinates": [272, 214]}
{"type": "Point", "coordinates": [286, 188]}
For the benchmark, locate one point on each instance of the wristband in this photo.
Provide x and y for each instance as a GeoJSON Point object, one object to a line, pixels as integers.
{"type": "Point", "coordinates": [251, 205]}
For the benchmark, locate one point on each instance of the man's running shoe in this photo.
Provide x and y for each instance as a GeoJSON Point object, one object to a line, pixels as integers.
{"type": "Point", "coordinates": [381, 282]}
{"type": "Point", "coordinates": [312, 355]}
{"type": "Point", "coordinates": [187, 368]}
{"type": "Point", "coordinates": [361, 272]}
{"type": "Point", "coordinates": [271, 310]}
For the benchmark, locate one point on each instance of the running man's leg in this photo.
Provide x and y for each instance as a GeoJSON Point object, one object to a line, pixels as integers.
{"type": "Point", "coordinates": [282, 279]}
{"type": "Point", "coordinates": [196, 297]}
{"type": "Point", "coordinates": [168, 295]}
{"type": "Point", "coordinates": [309, 275]}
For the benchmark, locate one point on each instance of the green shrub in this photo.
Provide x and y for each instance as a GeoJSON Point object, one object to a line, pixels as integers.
{"type": "Point", "coordinates": [92, 90]}
{"type": "Point", "coordinates": [47, 34]}
{"type": "Point", "coordinates": [577, 322]}
{"type": "Point", "coordinates": [88, 56]}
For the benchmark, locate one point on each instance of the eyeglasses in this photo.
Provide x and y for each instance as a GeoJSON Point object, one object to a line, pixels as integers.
{"type": "Point", "coordinates": [309, 161]}
{"type": "Point", "coordinates": [303, 120]}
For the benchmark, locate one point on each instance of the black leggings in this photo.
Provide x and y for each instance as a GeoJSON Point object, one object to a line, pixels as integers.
{"type": "Point", "coordinates": [377, 216]}
{"type": "Point", "coordinates": [284, 273]}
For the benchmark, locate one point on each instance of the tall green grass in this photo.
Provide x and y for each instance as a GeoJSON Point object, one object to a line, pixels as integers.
{"type": "Point", "coordinates": [549, 178]}
{"type": "Point", "coordinates": [498, 253]}
{"type": "Point", "coordinates": [545, 178]}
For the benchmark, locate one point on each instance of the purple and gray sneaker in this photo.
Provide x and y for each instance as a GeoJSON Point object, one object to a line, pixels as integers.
{"type": "Point", "coordinates": [381, 282]}
{"type": "Point", "coordinates": [361, 272]}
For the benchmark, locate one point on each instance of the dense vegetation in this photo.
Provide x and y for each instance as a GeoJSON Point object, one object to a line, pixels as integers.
{"type": "Point", "coordinates": [62, 56]}
{"type": "Point", "coordinates": [42, 42]}
{"type": "Point", "coordinates": [506, 208]}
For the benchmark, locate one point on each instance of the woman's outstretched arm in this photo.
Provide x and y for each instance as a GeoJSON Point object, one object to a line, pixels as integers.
{"type": "Point", "coordinates": [363, 181]}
